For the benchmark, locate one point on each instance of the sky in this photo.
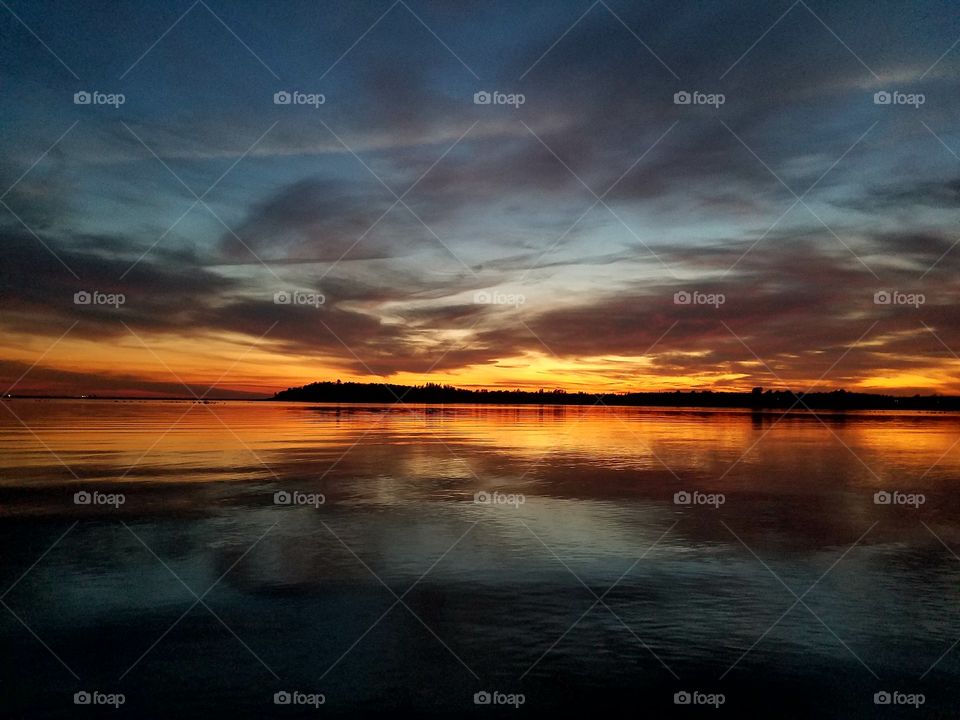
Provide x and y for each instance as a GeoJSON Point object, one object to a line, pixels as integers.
{"type": "Point", "coordinates": [678, 195]}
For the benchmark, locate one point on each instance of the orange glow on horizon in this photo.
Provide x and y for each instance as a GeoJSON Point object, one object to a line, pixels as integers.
{"type": "Point", "coordinates": [160, 365]}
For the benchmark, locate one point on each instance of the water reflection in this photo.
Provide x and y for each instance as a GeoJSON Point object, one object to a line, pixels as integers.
{"type": "Point", "coordinates": [495, 592]}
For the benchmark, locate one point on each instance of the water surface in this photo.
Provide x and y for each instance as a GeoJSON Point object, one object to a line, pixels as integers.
{"type": "Point", "coordinates": [588, 587]}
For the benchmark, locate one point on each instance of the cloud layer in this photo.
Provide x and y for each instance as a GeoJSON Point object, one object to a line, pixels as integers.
{"type": "Point", "coordinates": [586, 214]}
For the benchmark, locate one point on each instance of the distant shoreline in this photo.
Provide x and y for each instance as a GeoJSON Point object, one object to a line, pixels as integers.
{"type": "Point", "coordinates": [380, 394]}
{"type": "Point", "coordinates": [759, 399]}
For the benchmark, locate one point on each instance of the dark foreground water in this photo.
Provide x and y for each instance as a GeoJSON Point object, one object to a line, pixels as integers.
{"type": "Point", "coordinates": [426, 560]}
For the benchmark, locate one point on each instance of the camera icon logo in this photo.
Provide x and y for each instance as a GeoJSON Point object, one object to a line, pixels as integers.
{"type": "Point", "coordinates": [682, 698]}
{"type": "Point", "coordinates": [82, 98]}
{"type": "Point", "coordinates": [482, 698]}
{"type": "Point", "coordinates": [882, 698]}
{"type": "Point", "coordinates": [82, 698]}
{"type": "Point", "coordinates": [82, 498]}
{"type": "Point", "coordinates": [282, 698]}
{"type": "Point", "coordinates": [482, 98]}
{"type": "Point", "coordinates": [82, 297]}
{"type": "Point", "coordinates": [882, 297]}
{"type": "Point", "coordinates": [682, 498]}
{"type": "Point", "coordinates": [682, 98]}
{"type": "Point", "coordinates": [282, 98]}
{"type": "Point", "coordinates": [482, 298]}
{"type": "Point", "coordinates": [882, 97]}
{"type": "Point", "coordinates": [282, 497]}
{"type": "Point", "coordinates": [481, 498]}
{"type": "Point", "coordinates": [282, 297]}
{"type": "Point", "coordinates": [682, 298]}
{"type": "Point", "coordinates": [882, 497]}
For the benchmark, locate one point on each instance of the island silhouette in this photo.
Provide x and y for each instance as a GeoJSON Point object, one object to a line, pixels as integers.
{"type": "Point", "coordinates": [758, 398]}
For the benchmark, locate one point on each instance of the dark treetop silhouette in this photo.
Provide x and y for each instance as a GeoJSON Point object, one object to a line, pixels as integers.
{"type": "Point", "coordinates": [351, 392]}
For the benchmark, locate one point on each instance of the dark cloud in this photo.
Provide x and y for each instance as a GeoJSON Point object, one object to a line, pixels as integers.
{"type": "Point", "coordinates": [38, 282]}
{"type": "Point", "coordinates": [798, 307]}
{"type": "Point", "coordinates": [939, 194]}
{"type": "Point", "coordinates": [312, 219]}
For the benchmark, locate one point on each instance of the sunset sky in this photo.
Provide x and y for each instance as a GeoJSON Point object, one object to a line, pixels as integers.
{"type": "Point", "coordinates": [581, 213]}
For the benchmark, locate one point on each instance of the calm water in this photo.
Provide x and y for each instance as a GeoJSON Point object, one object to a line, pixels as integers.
{"type": "Point", "coordinates": [582, 583]}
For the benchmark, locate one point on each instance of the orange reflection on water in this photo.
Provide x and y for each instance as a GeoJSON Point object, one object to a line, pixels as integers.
{"type": "Point", "coordinates": [227, 441]}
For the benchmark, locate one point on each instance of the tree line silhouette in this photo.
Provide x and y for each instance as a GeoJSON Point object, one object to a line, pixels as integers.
{"type": "Point", "coordinates": [758, 398]}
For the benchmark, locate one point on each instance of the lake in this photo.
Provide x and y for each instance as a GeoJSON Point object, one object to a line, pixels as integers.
{"type": "Point", "coordinates": [242, 559]}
